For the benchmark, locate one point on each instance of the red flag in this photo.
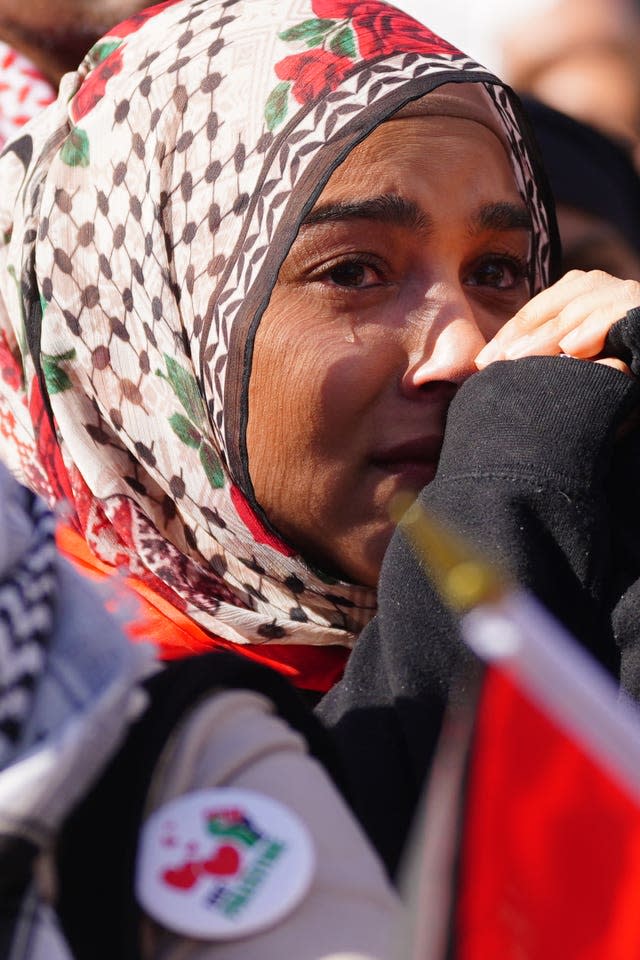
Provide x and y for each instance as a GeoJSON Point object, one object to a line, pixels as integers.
{"type": "Point", "coordinates": [550, 860]}
{"type": "Point", "coordinates": [531, 835]}
{"type": "Point", "coordinates": [529, 843]}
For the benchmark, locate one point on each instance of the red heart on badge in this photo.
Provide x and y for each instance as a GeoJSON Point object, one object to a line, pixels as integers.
{"type": "Point", "coordinates": [224, 863]}
{"type": "Point", "coordinates": [182, 877]}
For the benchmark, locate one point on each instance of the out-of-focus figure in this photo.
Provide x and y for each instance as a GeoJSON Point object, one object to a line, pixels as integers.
{"type": "Point", "coordinates": [597, 192]}
{"type": "Point", "coordinates": [56, 36]}
{"type": "Point", "coordinates": [582, 57]}
{"type": "Point", "coordinates": [39, 42]}
{"type": "Point", "coordinates": [579, 56]}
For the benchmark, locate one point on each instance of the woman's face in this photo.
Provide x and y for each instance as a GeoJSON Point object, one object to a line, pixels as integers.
{"type": "Point", "coordinates": [414, 255]}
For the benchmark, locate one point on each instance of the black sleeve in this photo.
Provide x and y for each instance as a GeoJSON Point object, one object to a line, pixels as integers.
{"type": "Point", "coordinates": [524, 475]}
{"type": "Point", "coordinates": [623, 340]}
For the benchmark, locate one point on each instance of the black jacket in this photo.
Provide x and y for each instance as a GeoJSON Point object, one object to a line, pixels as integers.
{"type": "Point", "coordinates": [534, 472]}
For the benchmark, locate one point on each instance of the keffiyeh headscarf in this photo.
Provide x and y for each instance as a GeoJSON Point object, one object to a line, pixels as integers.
{"type": "Point", "coordinates": [151, 209]}
{"type": "Point", "coordinates": [67, 697]}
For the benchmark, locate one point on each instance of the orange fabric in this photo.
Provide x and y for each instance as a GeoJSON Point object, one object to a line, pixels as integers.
{"type": "Point", "coordinates": [176, 635]}
{"type": "Point", "coordinates": [550, 863]}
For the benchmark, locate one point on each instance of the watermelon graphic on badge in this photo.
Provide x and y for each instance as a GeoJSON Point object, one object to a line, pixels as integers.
{"type": "Point", "coordinates": [223, 863]}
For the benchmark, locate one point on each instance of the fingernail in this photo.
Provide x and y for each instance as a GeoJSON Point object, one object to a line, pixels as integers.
{"type": "Point", "coordinates": [568, 343]}
{"type": "Point", "coordinates": [487, 355]}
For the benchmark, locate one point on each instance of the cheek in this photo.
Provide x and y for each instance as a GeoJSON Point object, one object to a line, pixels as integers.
{"type": "Point", "coordinates": [290, 365]}
{"type": "Point", "coordinates": [289, 404]}
{"type": "Point", "coordinates": [312, 387]}
{"type": "Point", "coordinates": [353, 383]}
{"type": "Point", "coordinates": [307, 362]}
{"type": "Point", "coordinates": [318, 373]}
{"type": "Point", "coordinates": [491, 319]}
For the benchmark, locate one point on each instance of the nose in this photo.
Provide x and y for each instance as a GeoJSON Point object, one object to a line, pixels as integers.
{"type": "Point", "coordinates": [447, 339]}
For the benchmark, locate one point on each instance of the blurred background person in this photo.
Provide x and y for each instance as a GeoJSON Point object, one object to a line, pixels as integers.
{"type": "Point", "coordinates": [579, 56]}
{"type": "Point", "coordinates": [597, 192]}
{"type": "Point", "coordinates": [587, 65]}
{"type": "Point", "coordinates": [56, 36]}
{"type": "Point", "coordinates": [39, 42]}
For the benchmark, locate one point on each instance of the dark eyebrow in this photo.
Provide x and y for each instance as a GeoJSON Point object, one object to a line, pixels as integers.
{"type": "Point", "coordinates": [387, 208]}
{"type": "Point", "coordinates": [401, 212]}
{"type": "Point", "coordinates": [502, 216]}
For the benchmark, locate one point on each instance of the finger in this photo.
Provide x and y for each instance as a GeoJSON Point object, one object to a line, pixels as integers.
{"type": "Point", "coordinates": [583, 322]}
{"type": "Point", "coordinates": [545, 305]}
{"type": "Point", "coordinates": [580, 329]}
{"type": "Point", "coordinates": [588, 339]}
{"type": "Point", "coordinates": [548, 307]}
{"type": "Point", "coordinates": [581, 326]}
{"type": "Point", "coordinates": [616, 364]}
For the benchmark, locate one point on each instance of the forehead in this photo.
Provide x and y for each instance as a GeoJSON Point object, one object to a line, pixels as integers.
{"type": "Point", "coordinates": [417, 153]}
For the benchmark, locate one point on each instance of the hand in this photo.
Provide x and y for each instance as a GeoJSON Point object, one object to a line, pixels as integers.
{"type": "Point", "coordinates": [573, 317]}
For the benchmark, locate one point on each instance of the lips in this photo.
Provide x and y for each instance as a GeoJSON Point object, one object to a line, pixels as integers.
{"type": "Point", "coordinates": [413, 461]}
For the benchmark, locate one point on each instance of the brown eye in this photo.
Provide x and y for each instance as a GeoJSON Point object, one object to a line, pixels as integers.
{"type": "Point", "coordinates": [500, 273]}
{"type": "Point", "coordinates": [350, 274]}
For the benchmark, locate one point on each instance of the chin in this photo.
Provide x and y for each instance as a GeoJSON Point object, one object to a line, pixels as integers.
{"type": "Point", "coordinates": [369, 564]}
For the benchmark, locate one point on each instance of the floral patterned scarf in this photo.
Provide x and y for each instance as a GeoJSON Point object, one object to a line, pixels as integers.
{"type": "Point", "coordinates": [151, 208]}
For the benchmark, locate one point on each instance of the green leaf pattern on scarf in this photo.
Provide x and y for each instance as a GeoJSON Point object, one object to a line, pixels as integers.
{"type": "Point", "coordinates": [312, 32]}
{"type": "Point", "coordinates": [185, 430]}
{"type": "Point", "coordinates": [75, 149]}
{"type": "Point", "coordinates": [277, 105]}
{"type": "Point", "coordinates": [56, 378]}
{"type": "Point", "coordinates": [212, 466]}
{"type": "Point", "coordinates": [185, 387]}
{"type": "Point", "coordinates": [101, 51]}
{"type": "Point", "coordinates": [344, 43]}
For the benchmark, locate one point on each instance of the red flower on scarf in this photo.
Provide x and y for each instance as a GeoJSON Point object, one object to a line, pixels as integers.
{"type": "Point", "coordinates": [313, 72]}
{"type": "Point", "coordinates": [10, 366]}
{"type": "Point", "coordinates": [382, 30]}
{"type": "Point", "coordinates": [133, 24]}
{"type": "Point", "coordinates": [93, 89]}
{"type": "Point", "coordinates": [344, 32]}
{"type": "Point", "coordinates": [95, 84]}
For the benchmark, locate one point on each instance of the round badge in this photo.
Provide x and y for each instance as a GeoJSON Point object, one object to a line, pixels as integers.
{"type": "Point", "coordinates": [222, 863]}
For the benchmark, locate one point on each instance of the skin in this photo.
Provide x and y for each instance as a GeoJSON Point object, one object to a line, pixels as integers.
{"type": "Point", "coordinates": [598, 86]}
{"type": "Point", "coordinates": [56, 35]}
{"type": "Point", "coordinates": [586, 66]}
{"type": "Point", "coordinates": [573, 317]}
{"type": "Point", "coordinates": [383, 307]}
{"type": "Point", "coordinates": [379, 311]}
